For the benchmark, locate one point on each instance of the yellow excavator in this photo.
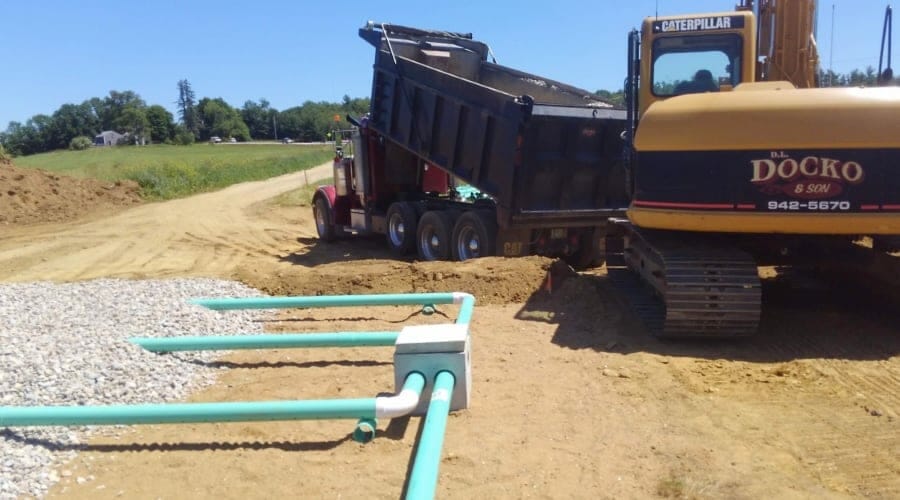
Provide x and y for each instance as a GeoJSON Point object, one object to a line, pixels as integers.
{"type": "Point", "coordinates": [736, 160]}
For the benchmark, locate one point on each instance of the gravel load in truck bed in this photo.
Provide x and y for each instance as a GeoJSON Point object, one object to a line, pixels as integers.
{"type": "Point", "coordinates": [67, 344]}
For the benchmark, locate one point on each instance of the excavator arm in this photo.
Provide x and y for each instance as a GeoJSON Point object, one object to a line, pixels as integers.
{"type": "Point", "coordinates": [787, 42]}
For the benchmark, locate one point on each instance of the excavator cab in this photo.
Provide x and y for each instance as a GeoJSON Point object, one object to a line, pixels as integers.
{"type": "Point", "coordinates": [677, 55]}
{"type": "Point", "coordinates": [691, 54]}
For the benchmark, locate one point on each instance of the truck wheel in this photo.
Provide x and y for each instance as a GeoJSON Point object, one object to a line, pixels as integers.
{"type": "Point", "coordinates": [474, 236]}
{"type": "Point", "coordinates": [433, 235]}
{"type": "Point", "coordinates": [323, 217]}
{"type": "Point", "coordinates": [591, 251]}
{"type": "Point", "coordinates": [401, 227]}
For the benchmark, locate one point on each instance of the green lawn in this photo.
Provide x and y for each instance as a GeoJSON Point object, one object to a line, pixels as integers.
{"type": "Point", "coordinates": [166, 172]}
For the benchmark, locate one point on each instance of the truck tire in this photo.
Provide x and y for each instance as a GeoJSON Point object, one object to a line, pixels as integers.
{"type": "Point", "coordinates": [591, 251]}
{"type": "Point", "coordinates": [323, 217]}
{"type": "Point", "coordinates": [474, 235]}
{"type": "Point", "coordinates": [401, 227]}
{"type": "Point", "coordinates": [434, 234]}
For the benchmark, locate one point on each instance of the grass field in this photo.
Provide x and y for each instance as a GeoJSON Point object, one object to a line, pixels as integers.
{"type": "Point", "coordinates": [301, 197]}
{"type": "Point", "coordinates": [166, 172]}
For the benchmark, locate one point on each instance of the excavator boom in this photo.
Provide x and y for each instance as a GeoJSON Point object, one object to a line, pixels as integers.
{"type": "Point", "coordinates": [787, 42]}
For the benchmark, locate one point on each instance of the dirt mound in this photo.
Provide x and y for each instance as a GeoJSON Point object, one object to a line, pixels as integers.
{"type": "Point", "coordinates": [493, 280]}
{"type": "Point", "coordinates": [29, 196]}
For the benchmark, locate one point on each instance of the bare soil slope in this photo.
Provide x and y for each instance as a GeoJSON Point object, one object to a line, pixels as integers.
{"type": "Point", "coordinates": [32, 196]}
{"type": "Point", "coordinates": [571, 397]}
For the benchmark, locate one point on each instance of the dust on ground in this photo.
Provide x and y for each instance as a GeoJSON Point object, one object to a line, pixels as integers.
{"type": "Point", "coordinates": [571, 396]}
{"type": "Point", "coordinates": [29, 196]}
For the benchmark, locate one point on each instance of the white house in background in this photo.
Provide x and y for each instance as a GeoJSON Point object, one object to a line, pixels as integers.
{"type": "Point", "coordinates": [108, 138]}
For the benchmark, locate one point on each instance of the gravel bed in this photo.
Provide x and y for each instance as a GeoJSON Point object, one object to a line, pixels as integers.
{"type": "Point", "coordinates": [66, 344]}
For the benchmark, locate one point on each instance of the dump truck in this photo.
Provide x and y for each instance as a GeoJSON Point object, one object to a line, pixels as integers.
{"type": "Point", "coordinates": [461, 157]}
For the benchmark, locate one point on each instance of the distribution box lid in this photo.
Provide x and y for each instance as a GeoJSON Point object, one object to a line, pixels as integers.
{"type": "Point", "coordinates": [420, 339]}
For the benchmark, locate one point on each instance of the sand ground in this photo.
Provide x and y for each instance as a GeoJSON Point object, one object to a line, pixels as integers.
{"type": "Point", "coordinates": [572, 398]}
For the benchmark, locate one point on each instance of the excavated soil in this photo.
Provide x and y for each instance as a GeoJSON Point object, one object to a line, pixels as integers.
{"type": "Point", "coordinates": [571, 397]}
{"type": "Point", "coordinates": [493, 280]}
{"type": "Point", "coordinates": [29, 196]}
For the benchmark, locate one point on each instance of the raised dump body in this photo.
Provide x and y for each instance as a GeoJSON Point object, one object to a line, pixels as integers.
{"type": "Point", "coordinates": [546, 152]}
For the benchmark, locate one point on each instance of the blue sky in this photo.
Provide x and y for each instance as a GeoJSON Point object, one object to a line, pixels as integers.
{"type": "Point", "coordinates": [56, 51]}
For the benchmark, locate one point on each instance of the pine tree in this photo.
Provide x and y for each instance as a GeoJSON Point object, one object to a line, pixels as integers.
{"type": "Point", "coordinates": [185, 104]}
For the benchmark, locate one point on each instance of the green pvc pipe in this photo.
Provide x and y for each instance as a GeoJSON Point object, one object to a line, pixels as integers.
{"type": "Point", "coordinates": [365, 430]}
{"type": "Point", "coordinates": [187, 412]}
{"type": "Point", "coordinates": [283, 341]}
{"type": "Point", "coordinates": [392, 299]}
{"type": "Point", "coordinates": [255, 411]}
{"type": "Point", "coordinates": [466, 301]}
{"type": "Point", "coordinates": [424, 476]}
{"type": "Point", "coordinates": [465, 310]}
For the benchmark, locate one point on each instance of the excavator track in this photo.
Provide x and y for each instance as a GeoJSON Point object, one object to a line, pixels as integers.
{"type": "Point", "coordinates": [687, 286]}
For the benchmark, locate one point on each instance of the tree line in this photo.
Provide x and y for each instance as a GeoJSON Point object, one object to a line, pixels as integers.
{"type": "Point", "coordinates": [75, 125]}
{"type": "Point", "coordinates": [856, 78]}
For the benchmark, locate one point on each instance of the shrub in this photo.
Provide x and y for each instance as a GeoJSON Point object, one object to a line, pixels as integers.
{"type": "Point", "coordinates": [4, 156]}
{"type": "Point", "coordinates": [80, 143]}
{"type": "Point", "coordinates": [183, 136]}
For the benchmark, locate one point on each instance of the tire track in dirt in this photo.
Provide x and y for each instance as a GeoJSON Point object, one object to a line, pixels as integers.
{"type": "Point", "coordinates": [848, 450]}
{"type": "Point", "coordinates": [158, 239]}
{"type": "Point", "coordinates": [809, 413]}
{"type": "Point", "coordinates": [820, 383]}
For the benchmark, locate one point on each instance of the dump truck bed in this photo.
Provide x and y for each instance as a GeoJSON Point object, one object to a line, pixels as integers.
{"type": "Point", "coordinates": [546, 152]}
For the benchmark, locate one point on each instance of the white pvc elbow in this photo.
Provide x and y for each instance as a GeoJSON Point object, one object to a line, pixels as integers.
{"type": "Point", "coordinates": [398, 405]}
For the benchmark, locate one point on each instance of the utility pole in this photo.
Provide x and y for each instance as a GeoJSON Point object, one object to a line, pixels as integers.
{"type": "Point", "coordinates": [275, 126]}
{"type": "Point", "coordinates": [831, 52]}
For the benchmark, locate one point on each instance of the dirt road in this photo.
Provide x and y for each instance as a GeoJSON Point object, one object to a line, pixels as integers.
{"type": "Point", "coordinates": [572, 397]}
{"type": "Point", "coordinates": [198, 236]}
